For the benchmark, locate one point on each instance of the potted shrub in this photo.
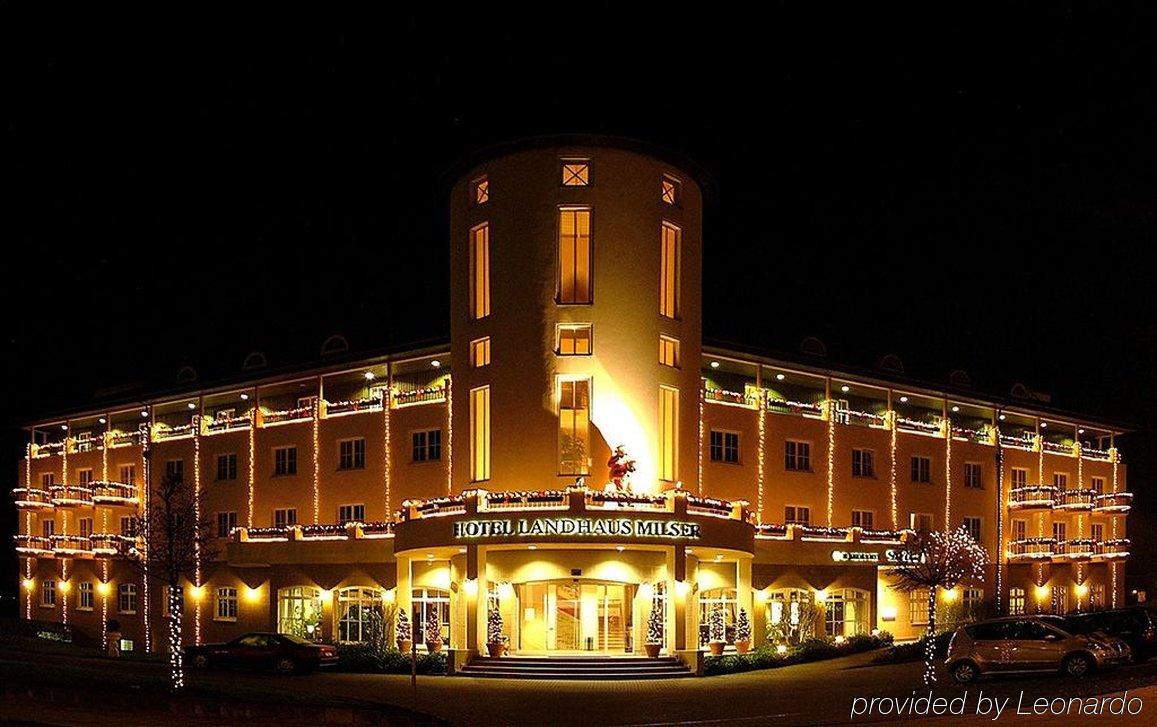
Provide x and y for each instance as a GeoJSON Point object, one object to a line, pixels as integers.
{"type": "Point", "coordinates": [494, 641]}
{"type": "Point", "coordinates": [742, 632]}
{"type": "Point", "coordinates": [716, 631]}
{"type": "Point", "coordinates": [402, 631]}
{"type": "Point", "coordinates": [433, 633]}
{"type": "Point", "coordinates": [654, 641]}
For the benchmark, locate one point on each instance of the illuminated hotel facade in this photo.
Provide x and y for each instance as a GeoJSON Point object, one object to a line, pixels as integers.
{"type": "Point", "coordinates": [463, 478]}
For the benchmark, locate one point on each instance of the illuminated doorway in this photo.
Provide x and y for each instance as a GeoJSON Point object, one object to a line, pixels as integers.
{"type": "Point", "coordinates": [575, 616]}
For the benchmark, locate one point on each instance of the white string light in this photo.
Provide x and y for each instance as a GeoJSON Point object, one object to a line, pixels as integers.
{"type": "Point", "coordinates": [831, 458]}
{"type": "Point", "coordinates": [762, 442]}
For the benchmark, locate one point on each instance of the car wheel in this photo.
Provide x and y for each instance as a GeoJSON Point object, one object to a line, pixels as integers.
{"type": "Point", "coordinates": [201, 661]}
{"type": "Point", "coordinates": [1077, 665]}
{"type": "Point", "coordinates": [285, 665]}
{"type": "Point", "coordinates": [965, 672]}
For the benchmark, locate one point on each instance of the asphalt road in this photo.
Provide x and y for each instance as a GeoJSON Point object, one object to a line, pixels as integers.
{"type": "Point", "coordinates": [817, 693]}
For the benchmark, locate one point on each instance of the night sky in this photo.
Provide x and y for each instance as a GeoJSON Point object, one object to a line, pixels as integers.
{"type": "Point", "coordinates": [965, 190]}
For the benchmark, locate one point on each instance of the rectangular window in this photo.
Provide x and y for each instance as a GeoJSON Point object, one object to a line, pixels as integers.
{"type": "Point", "coordinates": [669, 190]}
{"type": "Point", "coordinates": [1015, 601]}
{"type": "Point", "coordinates": [480, 434]}
{"type": "Point", "coordinates": [918, 606]}
{"type": "Point", "coordinates": [85, 524]}
{"type": "Point", "coordinates": [863, 463]}
{"type": "Point", "coordinates": [480, 267]}
{"type": "Point", "coordinates": [1097, 532]}
{"type": "Point", "coordinates": [669, 351]}
{"type": "Point", "coordinates": [128, 474]}
{"type": "Point", "coordinates": [1061, 481]}
{"type": "Point", "coordinates": [127, 598]}
{"type": "Point", "coordinates": [128, 526]}
{"type": "Point", "coordinates": [724, 447]}
{"type": "Point", "coordinates": [796, 515]}
{"type": "Point", "coordinates": [863, 519]}
{"type": "Point", "coordinates": [972, 526]}
{"type": "Point", "coordinates": [922, 522]}
{"type": "Point", "coordinates": [480, 190]}
{"type": "Point", "coordinates": [1019, 477]}
{"type": "Point", "coordinates": [284, 461]}
{"type": "Point", "coordinates": [797, 456]}
{"type": "Point", "coordinates": [84, 477]}
{"type": "Point", "coordinates": [1059, 532]}
{"type": "Point", "coordinates": [48, 593]}
{"type": "Point", "coordinates": [575, 254]}
{"type": "Point", "coordinates": [668, 433]}
{"type": "Point", "coordinates": [427, 445]}
{"type": "Point", "coordinates": [48, 528]}
{"type": "Point", "coordinates": [574, 418]}
{"type": "Point", "coordinates": [175, 470]}
{"type": "Point", "coordinates": [921, 470]}
{"type": "Point", "coordinates": [576, 172]}
{"type": "Point", "coordinates": [351, 454]}
{"type": "Point", "coordinates": [84, 596]}
{"type": "Point", "coordinates": [226, 604]}
{"type": "Point", "coordinates": [480, 352]}
{"type": "Point", "coordinates": [1019, 529]}
{"type": "Point", "coordinates": [574, 340]}
{"type": "Point", "coordinates": [226, 521]}
{"type": "Point", "coordinates": [1098, 485]}
{"type": "Point", "coordinates": [47, 479]}
{"type": "Point", "coordinates": [669, 264]}
{"type": "Point", "coordinates": [351, 514]}
{"type": "Point", "coordinates": [285, 517]}
{"type": "Point", "coordinates": [226, 466]}
{"type": "Point", "coordinates": [972, 475]}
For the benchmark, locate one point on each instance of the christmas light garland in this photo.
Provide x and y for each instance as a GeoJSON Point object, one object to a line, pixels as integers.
{"type": "Point", "coordinates": [1000, 507]}
{"type": "Point", "coordinates": [699, 452]}
{"type": "Point", "coordinates": [449, 437]}
{"type": "Point", "coordinates": [251, 477]}
{"type": "Point", "coordinates": [146, 478]}
{"type": "Point", "coordinates": [948, 475]}
{"type": "Point", "coordinates": [387, 456]}
{"type": "Point", "coordinates": [762, 414]}
{"type": "Point", "coordinates": [831, 457]}
{"type": "Point", "coordinates": [197, 565]}
{"type": "Point", "coordinates": [315, 439]}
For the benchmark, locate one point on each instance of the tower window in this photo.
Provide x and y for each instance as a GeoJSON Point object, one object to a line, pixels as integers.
{"type": "Point", "coordinates": [668, 432]}
{"type": "Point", "coordinates": [480, 271]}
{"type": "Point", "coordinates": [574, 415]}
{"type": "Point", "coordinates": [669, 190]}
{"type": "Point", "coordinates": [669, 351]}
{"type": "Point", "coordinates": [480, 352]}
{"type": "Point", "coordinates": [670, 242]}
{"type": "Point", "coordinates": [480, 190]}
{"type": "Point", "coordinates": [576, 172]}
{"type": "Point", "coordinates": [480, 434]}
{"type": "Point", "coordinates": [574, 340]}
{"type": "Point", "coordinates": [574, 255]}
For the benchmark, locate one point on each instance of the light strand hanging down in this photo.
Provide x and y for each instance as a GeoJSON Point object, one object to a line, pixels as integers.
{"type": "Point", "coordinates": [762, 414]}
{"type": "Point", "coordinates": [892, 473]}
{"type": "Point", "coordinates": [831, 459]}
{"type": "Point", "coordinates": [449, 436]}
{"type": "Point", "coordinates": [197, 574]}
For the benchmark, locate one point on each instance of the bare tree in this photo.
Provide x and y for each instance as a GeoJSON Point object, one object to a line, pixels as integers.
{"type": "Point", "coordinates": [173, 541]}
{"type": "Point", "coordinates": [938, 560]}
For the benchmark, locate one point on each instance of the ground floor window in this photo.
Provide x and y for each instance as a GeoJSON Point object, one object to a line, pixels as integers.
{"type": "Point", "coordinates": [226, 604]}
{"type": "Point", "coordinates": [1096, 597]}
{"type": "Point", "coordinates": [127, 598]}
{"type": "Point", "coordinates": [659, 603]}
{"type": "Point", "coordinates": [722, 599]}
{"type": "Point", "coordinates": [1015, 601]}
{"type": "Point", "coordinates": [299, 612]}
{"type": "Point", "coordinates": [973, 600]}
{"type": "Point", "coordinates": [1060, 602]}
{"type": "Point", "coordinates": [360, 612]}
{"type": "Point", "coordinates": [427, 602]}
{"type": "Point", "coordinates": [790, 615]}
{"type": "Point", "coordinates": [846, 612]}
{"type": "Point", "coordinates": [918, 606]}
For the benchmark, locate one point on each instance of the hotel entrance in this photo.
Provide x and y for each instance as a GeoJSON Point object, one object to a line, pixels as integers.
{"type": "Point", "coordinates": [575, 616]}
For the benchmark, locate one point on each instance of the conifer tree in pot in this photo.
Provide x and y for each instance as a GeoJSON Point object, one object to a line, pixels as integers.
{"type": "Point", "coordinates": [717, 631]}
{"type": "Point", "coordinates": [433, 632]}
{"type": "Point", "coordinates": [402, 631]}
{"type": "Point", "coordinates": [742, 632]}
{"type": "Point", "coordinates": [654, 643]}
{"type": "Point", "coordinates": [494, 640]}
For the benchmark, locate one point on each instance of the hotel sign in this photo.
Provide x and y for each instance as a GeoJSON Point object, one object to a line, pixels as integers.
{"type": "Point", "coordinates": [891, 555]}
{"type": "Point", "coordinates": [579, 527]}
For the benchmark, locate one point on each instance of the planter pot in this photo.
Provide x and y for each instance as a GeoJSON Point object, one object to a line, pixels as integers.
{"type": "Point", "coordinates": [496, 649]}
{"type": "Point", "coordinates": [716, 647]}
{"type": "Point", "coordinates": [653, 650]}
{"type": "Point", "coordinates": [434, 646]}
{"type": "Point", "coordinates": [742, 647]}
{"type": "Point", "coordinates": [404, 645]}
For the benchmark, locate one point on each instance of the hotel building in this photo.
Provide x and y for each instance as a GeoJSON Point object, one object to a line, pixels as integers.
{"type": "Point", "coordinates": [460, 478]}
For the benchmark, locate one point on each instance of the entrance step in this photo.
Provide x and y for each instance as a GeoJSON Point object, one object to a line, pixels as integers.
{"type": "Point", "coordinates": [576, 667]}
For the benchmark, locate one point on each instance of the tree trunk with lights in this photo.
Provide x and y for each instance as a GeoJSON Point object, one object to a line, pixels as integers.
{"type": "Point", "coordinates": [176, 657]}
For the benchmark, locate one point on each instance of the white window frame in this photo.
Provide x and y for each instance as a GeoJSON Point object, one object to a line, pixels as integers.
{"type": "Point", "coordinates": [225, 600]}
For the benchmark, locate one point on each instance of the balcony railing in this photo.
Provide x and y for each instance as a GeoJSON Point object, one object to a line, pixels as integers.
{"type": "Point", "coordinates": [626, 500]}
{"type": "Point", "coordinates": [227, 424]}
{"type": "Point", "coordinates": [1111, 549]}
{"type": "Point", "coordinates": [732, 398]}
{"type": "Point", "coordinates": [285, 416]}
{"type": "Point", "coordinates": [411, 397]}
{"type": "Point", "coordinates": [71, 544]}
{"type": "Point", "coordinates": [1102, 455]}
{"type": "Point", "coordinates": [931, 429]}
{"type": "Point", "coordinates": [438, 506]}
{"type": "Point", "coordinates": [109, 543]}
{"type": "Point", "coordinates": [123, 439]}
{"type": "Point", "coordinates": [71, 495]}
{"type": "Point", "coordinates": [114, 493]}
{"type": "Point", "coordinates": [713, 507]}
{"type": "Point", "coordinates": [47, 450]}
{"type": "Point", "coordinates": [1032, 496]}
{"type": "Point", "coordinates": [1031, 549]}
{"type": "Point", "coordinates": [1074, 549]}
{"type": "Point", "coordinates": [353, 406]}
{"type": "Point", "coordinates": [87, 444]}
{"type": "Point", "coordinates": [31, 498]}
{"type": "Point", "coordinates": [1057, 448]}
{"type": "Point", "coordinates": [1113, 502]}
{"type": "Point", "coordinates": [861, 418]}
{"type": "Point", "coordinates": [1075, 499]}
{"type": "Point", "coordinates": [164, 432]}
{"type": "Point", "coordinates": [545, 500]}
{"type": "Point", "coordinates": [794, 408]}
{"type": "Point", "coordinates": [1022, 441]}
{"type": "Point", "coordinates": [37, 544]}
{"type": "Point", "coordinates": [976, 436]}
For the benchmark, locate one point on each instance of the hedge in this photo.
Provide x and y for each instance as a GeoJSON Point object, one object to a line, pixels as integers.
{"type": "Point", "coordinates": [813, 649]}
{"type": "Point", "coordinates": [368, 659]}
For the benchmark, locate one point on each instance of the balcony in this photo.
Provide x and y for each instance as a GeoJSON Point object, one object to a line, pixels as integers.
{"type": "Point", "coordinates": [975, 436]}
{"type": "Point", "coordinates": [1032, 497]}
{"type": "Point", "coordinates": [625, 500]}
{"type": "Point", "coordinates": [1057, 448]}
{"type": "Point", "coordinates": [87, 443]}
{"type": "Point", "coordinates": [113, 493]}
{"type": "Point", "coordinates": [415, 397]}
{"type": "Point", "coordinates": [165, 433]}
{"type": "Point", "coordinates": [1099, 455]}
{"type": "Point", "coordinates": [71, 545]}
{"type": "Point", "coordinates": [861, 418]}
{"type": "Point", "coordinates": [32, 544]}
{"type": "Point", "coordinates": [1117, 503]}
{"type": "Point", "coordinates": [353, 406]}
{"type": "Point", "coordinates": [715, 508]}
{"type": "Point", "coordinates": [32, 499]}
{"type": "Point", "coordinates": [1111, 549]}
{"type": "Point", "coordinates": [223, 424]}
{"type": "Point", "coordinates": [546, 500]}
{"type": "Point", "coordinates": [1075, 499]}
{"type": "Point", "coordinates": [106, 544]}
{"type": "Point", "coordinates": [1030, 549]}
{"type": "Point", "coordinates": [1026, 442]}
{"type": "Point", "coordinates": [47, 450]}
{"type": "Point", "coordinates": [730, 398]}
{"type": "Point", "coordinates": [914, 426]}
{"type": "Point", "coordinates": [794, 408]}
{"type": "Point", "coordinates": [123, 439]}
{"type": "Point", "coordinates": [71, 495]}
{"type": "Point", "coordinates": [285, 416]}
{"type": "Point", "coordinates": [1075, 549]}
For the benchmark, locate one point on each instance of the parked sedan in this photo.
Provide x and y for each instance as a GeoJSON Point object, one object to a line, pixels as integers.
{"type": "Point", "coordinates": [283, 653]}
{"type": "Point", "coordinates": [1135, 625]}
{"type": "Point", "coordinates": [1025, 644]}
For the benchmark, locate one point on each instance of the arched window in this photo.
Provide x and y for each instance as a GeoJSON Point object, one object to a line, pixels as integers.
{"type": "Point", "coordinates": [708, 601]}
{"type": "Point", "coordinates": [427, 601]}
{"type": "Point", "coordinates": [360, 612]}
{"type": "Point", "coordinates": [299, 612]}
{"type": "Point", "coordinates": [255, 360]}
{"type": "Point", "coordinates": [846, 612]}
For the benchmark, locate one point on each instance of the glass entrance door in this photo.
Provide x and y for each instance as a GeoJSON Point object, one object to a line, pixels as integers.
{"type": "Point", "coordinates": [570, 616]}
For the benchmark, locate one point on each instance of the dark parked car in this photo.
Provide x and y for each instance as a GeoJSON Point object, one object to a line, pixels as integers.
{"type": "Point", "coordinates": [283, 653]}
{"type": "Point", "coordinates": [1135, 625]}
